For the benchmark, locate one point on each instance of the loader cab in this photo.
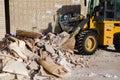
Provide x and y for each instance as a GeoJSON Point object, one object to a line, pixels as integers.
{"type": "Point", "coordinates": [108, 20]}
{"type": "Point", "coordinates": [112, 10]}
{"type": "Point", "coordinates": [108, 9]}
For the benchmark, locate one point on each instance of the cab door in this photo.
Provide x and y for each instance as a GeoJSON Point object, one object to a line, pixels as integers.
{"type": "Point", "coordinates": [111, 21]}
{"type": "Point", "coordinates": [108, 22]}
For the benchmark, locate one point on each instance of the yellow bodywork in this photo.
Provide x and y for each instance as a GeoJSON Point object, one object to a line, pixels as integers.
{"type": "Point", "coordinates": [106, 30]}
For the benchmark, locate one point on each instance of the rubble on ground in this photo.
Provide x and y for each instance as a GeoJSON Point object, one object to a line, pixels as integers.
{"type": "Point", "coordinates": [33, 56]}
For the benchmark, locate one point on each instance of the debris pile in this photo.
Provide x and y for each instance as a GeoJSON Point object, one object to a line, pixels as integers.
{"type": "Point", "coordinates": [33, 56]}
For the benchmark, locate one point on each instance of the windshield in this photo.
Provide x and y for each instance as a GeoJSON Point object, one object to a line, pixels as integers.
{"type": "Point", "coordinates": [91, 5]}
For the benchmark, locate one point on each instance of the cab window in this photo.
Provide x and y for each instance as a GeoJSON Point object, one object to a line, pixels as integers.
{"type": "Point", "coordinates": [110, 9]}
{"type": "Point", "coordinates": [118, 9]}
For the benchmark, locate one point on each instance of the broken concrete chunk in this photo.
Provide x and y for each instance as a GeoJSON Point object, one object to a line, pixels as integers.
{"type": "Point", "coordinates": [19, 59]}
{"type": "Point", "coordinates": [24, 50]}
{"type": "Point", "coordinates": [20, 50]}
{"type": "Point", "coordinates": [28, 34]}
{"type": "Point", "coordinates": [22, 77]}
{"type": "Point", "coordinates": [38, 77]}
{"type": "Point", "coordinates": [64, 34]}
{"type": "Point", "coordinates": [11, 38]}
{"type": "Point", "coordinates": [64, 63]}
{"type": "Point", "coordinates": [33, 65]}
{"type": "Point", "coordinates": [14, 46]}
{"type": "Point", "coordinates": [60, 53]}
{"type": "Point", "coordinates": [4, 55]}
{"type": "Point", "coordinates": [50, 49]}
{"type": "Point", "coordinates": [7, 76]}
{"type": "Point", "coordinates": [42, 72]}
{"type": "Point", "coordinates": [51, 35]}
{"type": "Point", "coordinates": [29, 45]}
{"type": "Point", "coordinates": [44, 54]}
{"type": "Point", "coordinates": [64, 39]}
{"type": "Point", "coordinates": [53, 68]}
{"type": "Point", "coordinates": [67, 41]}
{"type": "Point", "coordinates": [14, 54]}
{"type": "Point", "coordinates": [15, 67]}
{"type": "Point", "coordinates": [21, 44]}
{"type": "Point", "coordinates": [37, 40]}
{"type": "Point", "coordinates": [56, 40]}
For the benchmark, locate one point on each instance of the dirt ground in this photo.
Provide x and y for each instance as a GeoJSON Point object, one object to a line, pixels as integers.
{"type": "Point", "coordinates": [103, 65]}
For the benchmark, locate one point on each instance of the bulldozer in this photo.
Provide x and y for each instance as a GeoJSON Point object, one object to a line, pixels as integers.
{"type": "Point", "coordinates": [101, 27]}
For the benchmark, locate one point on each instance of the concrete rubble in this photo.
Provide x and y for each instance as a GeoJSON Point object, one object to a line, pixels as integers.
{"type": "Point", "coordinates": [6, 76]}
{"type": "Point", "coordinates": [33, 56]}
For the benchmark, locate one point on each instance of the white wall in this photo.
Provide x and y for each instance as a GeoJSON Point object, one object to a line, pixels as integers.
{"type": "Point", "coordinates": [2, 19]}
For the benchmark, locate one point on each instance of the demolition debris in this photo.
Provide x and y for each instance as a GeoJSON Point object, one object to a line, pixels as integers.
{"type": "Point", "coordinates": [30, 55]}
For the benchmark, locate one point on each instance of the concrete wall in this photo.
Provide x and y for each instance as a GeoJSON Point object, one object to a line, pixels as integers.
{"type": "Point", "coordinates": [2, 19]}
{"type": "Point", "coordinates": [39, 15]}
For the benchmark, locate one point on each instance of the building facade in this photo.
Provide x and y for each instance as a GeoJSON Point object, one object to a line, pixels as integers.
{"type": "Point", "coordinates": [34, 15]}
{"type": "Point", "coordinates": [39, 15]}
{"type": "Point", "coordinates": [2, 19]}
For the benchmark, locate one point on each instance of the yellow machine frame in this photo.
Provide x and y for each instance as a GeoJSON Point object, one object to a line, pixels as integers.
{"type": "Point", "coordinates": [106, 30]}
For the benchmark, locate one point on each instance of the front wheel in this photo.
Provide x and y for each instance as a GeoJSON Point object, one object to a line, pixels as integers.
{"type": "Point", "coordinates": [86, 42]}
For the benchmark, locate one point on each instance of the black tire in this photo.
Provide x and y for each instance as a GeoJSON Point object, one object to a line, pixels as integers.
{"type": "Point", "coordinates": [81, 42]}
{"type": "Point", "coordinates": [116, 41]}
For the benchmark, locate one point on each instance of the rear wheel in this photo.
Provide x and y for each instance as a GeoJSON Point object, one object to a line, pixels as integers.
{"type": "Point", "coordinates": [86, 42]}
{"type": "Point", "coordinates": [117, 41]}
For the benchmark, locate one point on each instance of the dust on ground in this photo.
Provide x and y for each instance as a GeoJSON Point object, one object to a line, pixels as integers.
{"type": "Point", "coordinates": [103, 65]}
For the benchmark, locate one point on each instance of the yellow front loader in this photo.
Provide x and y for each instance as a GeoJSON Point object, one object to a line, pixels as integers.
{"type": "Point", "coordinates": [100, 28]}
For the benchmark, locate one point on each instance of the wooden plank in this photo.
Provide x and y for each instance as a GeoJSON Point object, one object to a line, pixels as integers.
{"type": "Point", "coordinates": [28, 34]}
